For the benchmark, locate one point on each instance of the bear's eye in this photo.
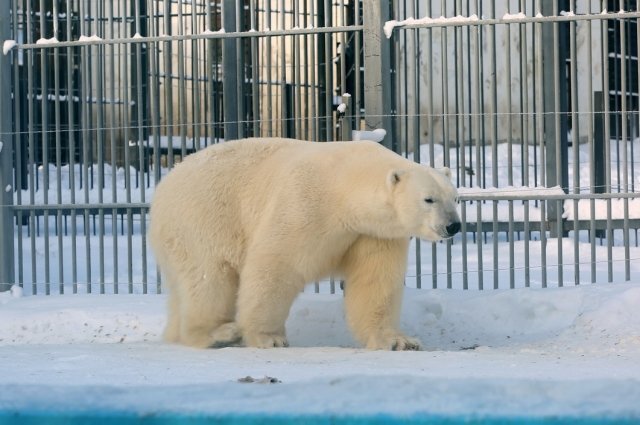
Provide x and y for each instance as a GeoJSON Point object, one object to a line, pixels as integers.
{"type": "Point", "coordinates": [429, 200]}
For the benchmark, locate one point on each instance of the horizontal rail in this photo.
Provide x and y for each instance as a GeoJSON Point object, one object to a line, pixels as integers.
{"type": "Point", "coordinates": [206, 35]}
{"type": "Point", "coordinates": [459, 21]}
{"type": "Point", "coordinates": [81, 207]}
{"type": "Point", "coordinates": [522, 195]}
{"type": "Point", "coordinates": [568, 225]}
{"type": "Point", "coordinates": [514, 195]}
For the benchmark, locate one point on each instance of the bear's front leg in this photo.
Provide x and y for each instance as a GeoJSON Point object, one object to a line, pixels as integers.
{"type": "Point", "coordinates": [374, 271]}
{"type": "Point", "coordinates": [264, 300]}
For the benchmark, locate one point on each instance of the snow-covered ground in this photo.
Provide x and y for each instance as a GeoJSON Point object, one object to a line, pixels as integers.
{"type": "Point", "coordinates": [527, 353]}
{"type": "Point", "coordinates": [523, 353]}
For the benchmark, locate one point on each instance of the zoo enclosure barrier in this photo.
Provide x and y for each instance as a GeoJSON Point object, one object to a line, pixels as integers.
{"type": "Point", "coordinates": [533, 104]}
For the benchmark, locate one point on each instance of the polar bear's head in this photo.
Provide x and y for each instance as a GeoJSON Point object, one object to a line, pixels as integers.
{"type": "Point", "coordinates": [425, 201]}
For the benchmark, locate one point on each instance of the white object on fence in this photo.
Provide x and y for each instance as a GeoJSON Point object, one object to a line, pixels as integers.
{"type": "Point", "coordinates": [8, 45]}
{"type": "Point", "coordinates": [376, 135]}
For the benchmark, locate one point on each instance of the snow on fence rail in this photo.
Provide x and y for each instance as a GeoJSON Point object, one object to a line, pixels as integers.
{"type": "Point", "coordinates": [546, 165]}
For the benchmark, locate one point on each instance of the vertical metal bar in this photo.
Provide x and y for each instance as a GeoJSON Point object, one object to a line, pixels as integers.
{"type": "Point", "coordinates": [314, 131]}
{"type": "Point", "coordinates": [357, 69]}
{"type": "Point", "coordinates": [555, 141]}
{"type": "Point", "coordinates": [240, 72]}
{"type": "Point", "coordinates": [607, 142]}
{"type": "Point", "coordinates": [124, 69]}
{"type": "Point", "coordinates": [416, 127]}
{"type": "Point", "coordinates": [101, 160]}
{"type": "Point", "coordinates": [524, 139]}
{"type": "Point", "coordinates": [141, 132]}
{"type": "Point", "coordinates": [446, 122]}
{"type": "Point", "coordinates": [328, 72]}
{"type": "Point", "coordinates": [401, 44]}
{"type": "Point", "coordinates": [182, 96]}
{"type": "Point", "coordinates": [284, 89]}
{"type": "Point", "coordinates": [197, 120]}
{"type": "Point", "coordinates": [478, 110]}
{"type": "Point", "coordinates": [255, 73]}
{"type": "Point", "coordinates": [575, 142]}
{"type": "Point", "coordinates": [269, 91]}
{"type": "Point", "coordinates": [494, 145]}
{"type": "Point", "coordinates": [230, 71]}
{"type": "Point", "coordinates": [593, 115]}
{"type": "Point", "coordinates": [20, 159]}
{"type": "Point", "coordinates": [377, 65]}
{"type": "Point", "coordinates": [58, 148]}
{"type": "Point", "coordinates": [625, 159]}
{"type": "Point", "coordinates": [211, 74]}
{"type": "Point", "coordinates": [540, 109]}
{"type": "Point", "coordinates": [86, 138]}
{"type": "Point", "coordinates": [31, 143]}
{"type": "Point", "coordinates": [296, 73]}
{"type": "Point", "coordinates": [510, 166]}
{"type": "Point", "coordinates": [7, 272]}
{"type": "Point", "coordinates": [168, 87]}
{"type": "Point", "coordinates": [307, 119]}
{"type": "Point", "coordinates": [461, 138]}
{"type": "Point", "coordinates": [561, 156]}
{"type": "Point", "coordinates": [112, 143]}
{"type": "Point", "coordinates": [44, 134]}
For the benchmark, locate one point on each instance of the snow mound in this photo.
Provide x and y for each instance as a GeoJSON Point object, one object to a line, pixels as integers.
{"type": "Point", "coordinates": [592, 318]}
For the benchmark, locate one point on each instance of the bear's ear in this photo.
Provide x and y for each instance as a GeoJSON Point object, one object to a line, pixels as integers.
{"type": "Point", "coordinates": [393, 178]}
{"type": "Point", "coordinates": [446, 171]}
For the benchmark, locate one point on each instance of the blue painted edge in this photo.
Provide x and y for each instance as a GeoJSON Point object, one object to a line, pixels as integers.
{"type": "Point", "coordinates": [112, 418]}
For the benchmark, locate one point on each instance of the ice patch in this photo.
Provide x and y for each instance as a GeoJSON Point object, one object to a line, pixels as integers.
{"type": "Point", "coordinates": [89, 38]}
{"type": "Point", "coordinates": [46, 40]}
{"type": "Point", "coordinates": [390, 25]}
{"type": "Point", "coordinates": [513, 17]}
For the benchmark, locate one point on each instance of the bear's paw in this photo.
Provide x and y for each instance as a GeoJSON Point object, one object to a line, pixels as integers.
{"type": "Point", "coordinates": [226, 335]}
{"type": "Point", "coordinates": [395, 342]}
{"type": "Point", "coordinates": [262, 340]}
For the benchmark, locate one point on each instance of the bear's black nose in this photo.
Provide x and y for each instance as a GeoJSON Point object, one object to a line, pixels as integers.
{"type": "Point", "coordinates": [453, 228]}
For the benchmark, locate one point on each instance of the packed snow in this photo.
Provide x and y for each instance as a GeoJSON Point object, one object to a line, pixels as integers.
{"type": "Point", "coordinates": [533, 353]}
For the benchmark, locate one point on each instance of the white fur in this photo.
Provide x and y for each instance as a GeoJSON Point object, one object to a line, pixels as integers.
{"type": "Point", "coordinates": [239, 228]}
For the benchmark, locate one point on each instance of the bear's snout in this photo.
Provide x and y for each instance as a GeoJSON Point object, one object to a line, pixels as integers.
{"type": "Point", "coordinates": [453, 228]}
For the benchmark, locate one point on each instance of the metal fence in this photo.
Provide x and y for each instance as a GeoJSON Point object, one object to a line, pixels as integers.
{"type": "Point", "coordinates": [534, 105]}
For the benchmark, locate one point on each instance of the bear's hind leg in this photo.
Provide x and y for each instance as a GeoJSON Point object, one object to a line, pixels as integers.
{"type": "Point", "coordinates": [374, 270]}
{"type": "Point", "coordinates": [208, 307]}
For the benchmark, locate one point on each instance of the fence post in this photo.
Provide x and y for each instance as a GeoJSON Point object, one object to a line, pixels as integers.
{"type": "Point", "coordinates": [555, 106]}
{"type": "Point", "coordinates": [7, 277]}
{"type": "Point", "coordinates": [377, 71]}
{"type": "Point", "coordinates": [230, 61]}
{"type": "Point", "coordinates": [345, 118]}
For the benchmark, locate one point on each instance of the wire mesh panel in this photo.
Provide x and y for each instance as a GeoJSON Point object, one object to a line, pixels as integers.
{"type": "Point", "coordinates": [532, 104]}
{"type": "Point", "coordinates": [108, 95]}
{"type": "Point", "coordinates": [516, 97]}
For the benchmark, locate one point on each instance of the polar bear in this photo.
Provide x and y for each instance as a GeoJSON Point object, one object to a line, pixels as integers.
{"type": "Point", "coordinates": [240, 227]}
